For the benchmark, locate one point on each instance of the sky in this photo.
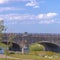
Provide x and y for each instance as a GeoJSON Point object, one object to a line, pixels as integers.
{"type": "Point", "coordinates": [32, 16]}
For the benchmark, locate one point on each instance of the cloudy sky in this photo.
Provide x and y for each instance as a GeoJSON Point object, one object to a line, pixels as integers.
{"type": "Point", "coordinates": [33, 16]}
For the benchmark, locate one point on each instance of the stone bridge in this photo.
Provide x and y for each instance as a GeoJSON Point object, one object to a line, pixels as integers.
{"type": "Point", "coordinates": [51, 42]}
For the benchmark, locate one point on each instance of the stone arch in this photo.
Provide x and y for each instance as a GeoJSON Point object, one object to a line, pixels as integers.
{"type": "Point", "coordinates": [14, 47]}
{"type": "Point", "coordinates": [51, 46]}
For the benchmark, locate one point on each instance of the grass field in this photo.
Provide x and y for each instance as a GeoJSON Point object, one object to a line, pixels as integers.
{"type": "Point", "coordinates": [36, 56]}
{"type": "Point", "coordinates": [30, 57]}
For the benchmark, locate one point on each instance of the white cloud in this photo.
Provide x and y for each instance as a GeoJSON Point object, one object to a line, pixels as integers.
{"type": "Point", "coordinates": [40, 16]}
{"type": "Point", "coordinates": [47, 16]}
{"type": "Point", "coordinates": [30, 19]}
{"type": "Point", "coordinates": [3, 1]}
{"type": "Point", "coordinates": [10, 9]}
{"type": "Point", "coordinates": [20, 17]}
{"type": "Point", "coordinates": [46, 21]}
{"type": "Point", "coordinates": [33, 3]}
{"type": "Point", "coordinates": [51, 14]}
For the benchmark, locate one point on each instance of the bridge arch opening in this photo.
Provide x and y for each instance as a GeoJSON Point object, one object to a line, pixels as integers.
{"type": "Point", "coordinates": [50, 46]}
{"type": "Point", "coordinates": [14, 47]}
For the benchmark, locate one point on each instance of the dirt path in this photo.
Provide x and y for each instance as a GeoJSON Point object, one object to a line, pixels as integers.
{"type": "Point", "coordinates": [4, 56]}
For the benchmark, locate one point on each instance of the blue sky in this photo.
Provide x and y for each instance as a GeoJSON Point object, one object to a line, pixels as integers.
{"type": "Point", "coordinates": [33, 16]}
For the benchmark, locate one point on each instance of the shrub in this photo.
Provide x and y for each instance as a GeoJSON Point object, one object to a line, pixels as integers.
{"type": "Point", "coordinates": [36, 47]}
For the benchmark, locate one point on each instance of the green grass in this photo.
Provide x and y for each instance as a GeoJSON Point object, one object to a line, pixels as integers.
{"type": "Point", "coordinates": [3, 45]}
{"type": "Point", "coordinates": [33, 56]}
{"type": "Point", "coordinates": [52, 56]}
{"type": "Point", "coordinates": [6, 59]}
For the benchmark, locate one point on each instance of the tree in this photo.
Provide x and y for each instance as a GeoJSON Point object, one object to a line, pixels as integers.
{"type": "Point", "coordinates": [11, 38]}
{"type": "Point", "coordinates": [2, 28]}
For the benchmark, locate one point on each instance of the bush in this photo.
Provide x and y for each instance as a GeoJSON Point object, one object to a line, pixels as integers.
{"type": "Point", "coordinates": [36, 47]}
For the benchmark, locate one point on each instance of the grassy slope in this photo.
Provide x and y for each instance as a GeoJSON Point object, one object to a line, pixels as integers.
{"type": "Point", "coordinates": [36, 57]}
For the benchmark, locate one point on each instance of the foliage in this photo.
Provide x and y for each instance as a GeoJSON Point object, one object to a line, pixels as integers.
{"type": "Point", "coordinates": [1, 26]}
{"type": "Point", "coordinates": [2, 45]}
{"type": "Point", "coordinates": [1, 37]}
{"type": "Point", "coordinates": [10, 41]}
{"type": "Point", "coordinates": [36, 47]}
